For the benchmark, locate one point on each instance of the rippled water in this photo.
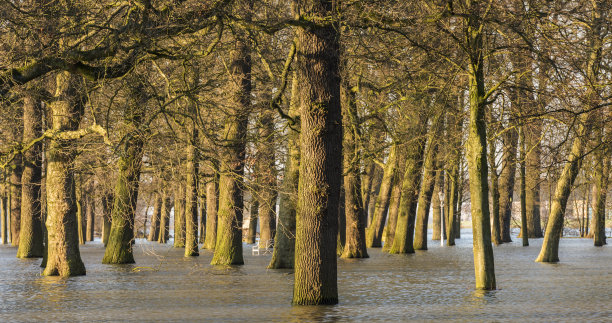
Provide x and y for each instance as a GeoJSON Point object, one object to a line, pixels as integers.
{"type": "Point", "coordinates": [426, 286]}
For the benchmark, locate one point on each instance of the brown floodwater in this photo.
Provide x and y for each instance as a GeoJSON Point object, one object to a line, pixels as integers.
{"type": "Point", "coordinates": [433, 285]}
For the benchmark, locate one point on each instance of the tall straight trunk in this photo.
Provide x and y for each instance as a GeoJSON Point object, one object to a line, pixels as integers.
{"type": "Point", "coordinates": [532, 178]}
{"type": "Point", "coordinates": [15, 199]}
{"type": "Point", "coordinates": [179, 215]}
{"type": "Point", "coordinates": [376, 178]}
{"type": "Point", "coordinates": [107, 207]}
{"type": "Point", "coordinates": [254, 212]}
{"type": "Point", "coordinates": [602, 179]}
{"type": "Point", "coordinates": [506, 183]}
{"type": "Point", "coordinates": [31, 235]}
{"type": "Point", "coordinates": [354, 212]}
{"type": "Point", "coordinates": [63, 256]}
{"type": "Point", "coordinates": [435, 205]}
{"type": "Point", "coordinates": [375, 230]}
{"type": "Point", "coordinates": [202, 234]}
{"type": "Point", "coordinates": [320, 156]}
{"type": "Point", "coordinates": [404, 229]}
{"type": "Point", "coordinates": [284, 242]}
{"type": "Point", "coordinates": [119, 247]}
{"type": "Point", "coordinates": [80, 212]}
{"type": "Point", "coordinates": [90, 214]}
{"type": "Point", "coordinates": [212, 203]}
{"type": "Point", "coordinates": [477, 154]}
{"type": "Point", "coordinates": [164, 221]}
{"type": "Point", "coordinates": [228, 248]}
{"type": "Point", "coordinates": [452, 196]}
{"type": "Point", "coordinates": [427, 187]}
{"type": "Point", "coordinates": [3, 218]}
{"type": "Point", "coordinates": [266, 179]}
{"type": "Point", "coordinates": [459, 204]}
{"type": "Point", "coordinates": [524, 228]}
{"type": "Point", "coordinates": [396, 195]}
{"type": "Point", "coordinates": [496, 227]}
{"type": "Point", "coordinates": [366, 184]}
{"type": "Point", "coordinates": [191, 196]}
{"type": "Point", "coordinates": [155, 219]}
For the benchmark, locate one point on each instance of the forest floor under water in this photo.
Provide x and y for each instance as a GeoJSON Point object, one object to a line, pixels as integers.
{"type": "Point", "coordinates": [433, 285]}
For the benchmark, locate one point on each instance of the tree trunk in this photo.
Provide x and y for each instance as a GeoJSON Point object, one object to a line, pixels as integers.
{"type": "Point", "coordinates": [3, 217]}
{"type": "Point", "coordinates": [179, 215]}
{"type": "Point", "coordinates": [80, 211]}
{"type": "Point", "coordinates": [107, 208]}
{"type": "Point", "coordinates": [477, 155]}
{"type": "Point", "coordinates": [524, 228]}
{"type": "Point", "coordinates": [119, 247]}
{"type": "Point", "coordinates": [284, 242]}
{"type": "Point", "coordinates": [15, 199]}
{"type": "Point", "coordinates": [376, 178]}
{"type": "Point", "coordinates": [212, 203]}
{"type": "Point", "coordinates": [533, 134]}
{"type": "Point", "coordinates": [404, 229]}
{"type": "Point", "coordinates": [228, 249]}
{"type": "Point", "coordinates": [63, 256]}
{"type": "Point", "coordinates": [191, 196]}
{"type": "Point", "coordinates": [602, 178]}
{"type": "Point", "coordinates": [252, 232]}
{"type": "Point", "coordinates": [155, 219]}
{"type": "Point", "coordinates": [506, 183]}
{"type": "Point", "coordinates": [320, 157]}
{"type": "Point", "coordinates": [202, 188]}
{"type": "Point", "coordinates": [266, 180]}
{"type": "Point", "coordinates": [164, 221]}
{"type": "Point", "coordinates": [90, 212]}
{"type": "Point", "coordinates": [496, 228]}
{"type": "Point", "coordinates": [31, 235]}
{"type": "Point", "coordinates": [375, 230]}
{"type": "Point", "coordinates": [396, 195]}
{"type": "Point", "coordinates": [435, 205]}
{"type": "Point", "coordinates": [427, 187]}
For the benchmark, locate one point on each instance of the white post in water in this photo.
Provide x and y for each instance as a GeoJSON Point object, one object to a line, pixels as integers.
{"type": "Point", "coordinates": [441, 196]}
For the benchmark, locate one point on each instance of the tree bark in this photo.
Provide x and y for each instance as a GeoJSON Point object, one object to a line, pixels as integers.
{"type": "Point", "coordinates": [107, 208]}
{"type": "Point", "coordinates": [31, 235]}
{"type": "Point", "coordinates": [164, 221]}
{"type": "Point", "coordinates": [90, 212]}
{"type": "Point", "coordinates": [375, 230]}
{"type": "Point", "coordinates": [212, 203]}
{"type": "Point", "coordinates": [15, 199]}
{"type": "Point", "coordinates": [155, 219]}
{"type": "Point", "coordinates": [191, 196]}
{"type": "Point", "coordinates": [435, 205]}
{"type": "Point", "coordinates": [63, 256]}
{"type": "Point", "coordinates": [320, 155]}
{"type": "Point", "coordinates": [252, 232]}
{"type": "Point", "coordinates": [179, 215]}
{"type": "Point", "coordinates": [506, 183]}
{"type": "Point", "coordinates": [266, 178]}
{"type": "Point", "coordinates": [533, 134]}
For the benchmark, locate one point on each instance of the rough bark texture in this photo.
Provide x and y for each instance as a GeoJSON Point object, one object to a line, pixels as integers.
{"type": "Point", "coordinates": [164, 221]}
{"type": "Point", "coordinates": [506, 183]}
{"type": "Point", "coordinates": [284, 242]}
{"type": "Point", "coordinates": [602, 179]}
{"type": "Point", "coordinates": [228, 248]}
{"type": "Point", "coordinates": [212, 203]}
{"type": "Point", "coordinates": [320, 155]}
{"type": "Point", "coordinates": [375, 230]}
{"type": "Point", "coordinates": [179, 215]}
{"type": "Point", "coordinates": [63, 256]}
{"type": "Point", "coordinates": [31, 235]}
{"type": "Point", "coordinates": [89, 215]}
{"type": "Point", "coordinates": [427, 188]}
{"type": "Point", "coordinates": [404, 229]}
{"type": "Point", "coordinates": [394, 203]}
{"type": "Point", "coordinates": [435, 205]}
{"type": "Point", "coordinates": [191, 197]}
{"type": "Point", "coordinates": [252, 232]}
{"type": "Point", "coordinates": [155, 220]}
{"type": "Point", "coordinates": [119, 247]}
{"type": "Point", "coordinates": [370, 206]}
{"type": "Point", "coordinates": [107, 206]}
{"type": "Point", "coordinates": [477, 155]}
{"type": "Point", "coordinates": [355, 217]}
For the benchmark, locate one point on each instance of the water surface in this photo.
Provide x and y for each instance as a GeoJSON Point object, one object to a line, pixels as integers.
{"type": "Point", "coordinates": [427, 286]}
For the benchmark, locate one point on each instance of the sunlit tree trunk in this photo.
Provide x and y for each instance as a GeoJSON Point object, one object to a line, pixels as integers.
{"type": "Point", "coordinates": [155, 219]}
{"type": "Point", "coordinates": [375, 230]}
{"type": "Point", "coordinates": [396, 194]}
{"type": "Point", "coordinates": [63, 256]}
{"type": "Point", "coordinates": [179, 215]}
{"type": "Point", "coordinates": [533, 134]}
{"type": "Point", "coordinates": [252, 232]}
{"type": "Point", "coordinates": [107, 206]}
{"type": "Point", "coordinates": [119, 247]}
{"type": "Point", "coordinates": [477, 152]}
{"type": "Point", "coordinates": [212, 195]}
{"type": "Point", "coordinates": [266, 179]}
{"type": "Point", "coordinates": [496, 225]}
{"type": "Point", "coordinates": [506, 182]}
{"type": "Point", "coordinates": [90, 212]}
{"type": "Point", "coordinates": [320, 156]}
{"type": "Point", "coordinates": [435, 205]}
{"type": "Point", "coordinates": [164, 221]}
{"type": "Point", "coordinates": [524, 228]}
{"type": "Point", "coordinates": [228, 248]}
{"type": "Point", "coordinates": [15, 199]}
{"type": "Point", "coordinates": [376, 178]}
{"type": "Point", "coordinates": [191, 195]}
{"type": "Point", "coordinates": [31, 235]}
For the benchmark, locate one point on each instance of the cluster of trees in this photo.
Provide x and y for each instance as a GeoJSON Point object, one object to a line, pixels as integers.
{"type": "Point", "coordinates": [358, 117]}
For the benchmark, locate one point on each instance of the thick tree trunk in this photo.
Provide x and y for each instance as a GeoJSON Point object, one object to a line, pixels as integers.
{"type": "Point", "coordinates": [376, 178]}
{"type": "Point", "coordinates": [354, 212]}
{"type": "Point", "coordinates": [191, 196]}
{"type": "Point", "coordinates": [321, 157]}
{"type": "Point", "coordinates": [63, 256]}
{"type": "Point", "coordinates": [228, 249]}
{"type": "Point", "coordinates": [427, 188]}
{"type": "Point", "coordinates": [284, 242]}
{"type": "Point", "coordinates": [31, 235]}
{"type": "Point", "coordinates": [602, 179]}
{"type": "Point", "coordinates": [212, 203]}
{"type": "Point", "coordinates": [179, 215]}
{"type": "Point", "coordinates": [404, 229]}
{"type": "Point", "coordinates": [119, 247]}
{"type": "Point", "coordinates": [252, 232]}
{"type": "Point", "coordinates": [396, 195]}
{"type": "Point", "coordinates": [477, 156]}
{"type": "Point", "coordinates": [155, 219]}
{"type": "Point", "coordinates": [375, 230]}
{"type": "Point", "coordinates": [164, 221]}
{"type": "Point", "coordinates": [506, 183]}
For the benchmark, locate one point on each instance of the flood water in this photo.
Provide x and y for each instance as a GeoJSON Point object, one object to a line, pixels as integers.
{"type": "Point", "coordinates": [427, 286]}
